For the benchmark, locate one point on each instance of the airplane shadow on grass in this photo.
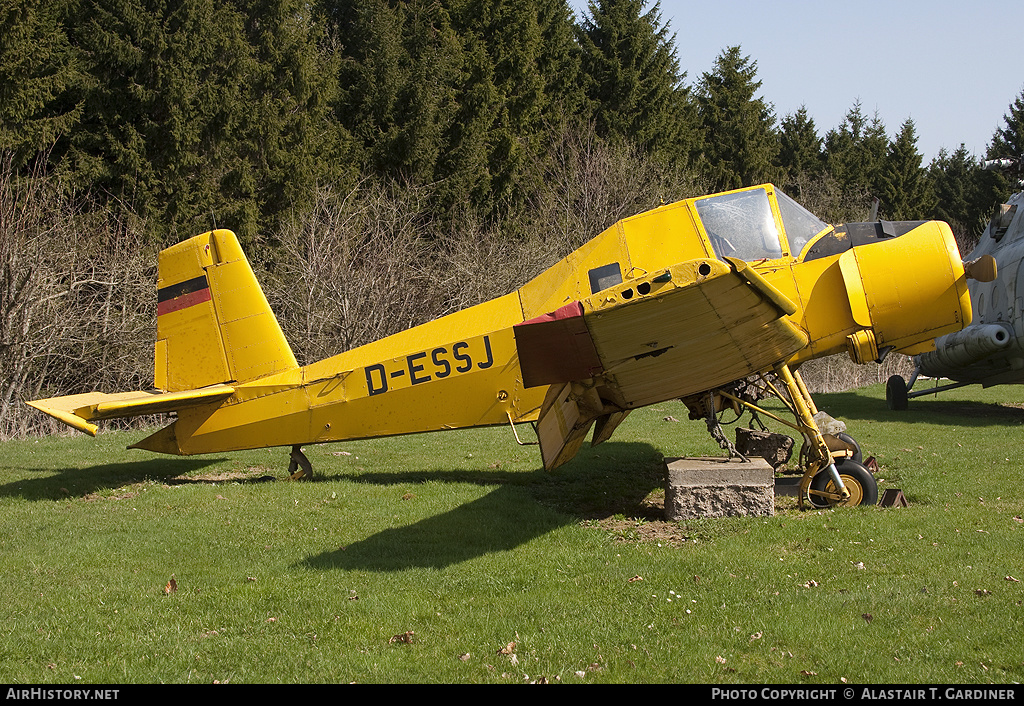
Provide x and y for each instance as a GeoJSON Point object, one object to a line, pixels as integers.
{"type": "Point", "coordinates": [614, 479]}
{"type": "Point", "coordinates": [962, 413]}
{"type": "Point", "coordinates": [80, 482]}
{"type": "Point", "coordinates": [524, 506]}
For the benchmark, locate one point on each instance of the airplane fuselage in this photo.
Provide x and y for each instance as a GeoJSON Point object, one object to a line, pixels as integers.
{"type": "Point", "coordinates": [650, 290]}
{"type": "Point", "coordinates": [678, 302]}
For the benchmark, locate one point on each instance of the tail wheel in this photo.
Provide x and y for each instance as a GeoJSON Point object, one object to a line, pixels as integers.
{"type": "Point", "coordinates": [857, 479]}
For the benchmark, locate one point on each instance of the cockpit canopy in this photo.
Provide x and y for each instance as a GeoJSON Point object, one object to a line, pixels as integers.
{"type": "Point", "coordinates": [741, 224]}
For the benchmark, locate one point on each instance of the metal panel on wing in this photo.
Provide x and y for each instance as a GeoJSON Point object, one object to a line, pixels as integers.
{"type": "Point", "coordinates": [680, 339]}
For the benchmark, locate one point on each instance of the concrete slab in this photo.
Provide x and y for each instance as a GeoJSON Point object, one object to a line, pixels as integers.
{"type": "Point", "coordinates": [718, 487]}
{"type": "Point", "coordinates": [787, 485]}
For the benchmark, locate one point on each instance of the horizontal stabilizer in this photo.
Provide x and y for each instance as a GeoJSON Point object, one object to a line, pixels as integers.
{"type": "Point", "coordinates": [78, 411]}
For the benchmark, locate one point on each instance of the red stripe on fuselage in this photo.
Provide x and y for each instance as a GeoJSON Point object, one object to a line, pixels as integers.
{"type": "Point", "coordinates": [183, 302]}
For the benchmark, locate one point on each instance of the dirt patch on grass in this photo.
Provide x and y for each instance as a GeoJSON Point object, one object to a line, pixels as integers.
{"type": "Point", "coordinates": [649, 524]}
{"type": "Point", "coordinates": [635, 530]}
{"type": "Point", "coordinates": [253, 474]}
{"type": "Point", "coordinates": [249, 475]}
{"type": "Point", "coordinates": [126, 493]}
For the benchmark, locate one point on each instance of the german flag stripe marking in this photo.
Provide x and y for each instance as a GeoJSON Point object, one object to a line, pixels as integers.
{"type": "Point", "coordinates": [182, 295]}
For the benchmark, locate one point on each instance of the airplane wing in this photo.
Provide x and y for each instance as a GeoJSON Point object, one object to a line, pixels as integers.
{"type": "Point", "coordinates": [79, 410]}
{"type": "Point", "coordinates": [693, 327]}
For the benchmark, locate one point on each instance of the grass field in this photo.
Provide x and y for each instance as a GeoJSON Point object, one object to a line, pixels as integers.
{"type": "Point", "coordinates": [454, 558]}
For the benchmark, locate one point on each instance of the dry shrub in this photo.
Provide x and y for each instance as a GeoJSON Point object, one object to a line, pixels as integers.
{"type": "Point", "coordinates": [354, 268]}
{"type": "Point", "coordinates": [76, 301]}
{"type": "Point", "coordinates": [590, 183]}
{"type": "Point", "coordinates": [826, 198]}
{"type": "Point", "coordinates": [475, 263]}
{"type": "Point", "coordinates": [837, 373]}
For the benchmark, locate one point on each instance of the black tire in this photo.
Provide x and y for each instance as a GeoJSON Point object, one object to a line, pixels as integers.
{"type": "Point", "coordinates": [857, 479]}
{"type": "Point", "coordinates": [896, 393]}
{"type": "Point", "coordinates": [857, 455]}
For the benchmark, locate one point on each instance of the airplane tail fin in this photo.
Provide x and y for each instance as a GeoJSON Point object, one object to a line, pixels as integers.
{"type": "Point", "coordinates": [214, 329]}
{"type": "Point", "coordinates": [214, 324]}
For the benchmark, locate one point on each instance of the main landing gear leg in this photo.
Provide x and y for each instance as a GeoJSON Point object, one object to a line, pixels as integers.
{"type": "Point", "coordinates": [299, 468]}
{"type": "Point", "coordinates": [819, 458]}
{"type": "Point", "coordinates": [832, 476]}
{"type": "Point", "coordinates": [839, 481]}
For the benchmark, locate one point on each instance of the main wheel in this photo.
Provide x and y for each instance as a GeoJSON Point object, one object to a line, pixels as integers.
{"type": "Point", "coordinates": [896, 393]}
{"type": "Point", "coordinates": [857, 455]}
{"type": "Point", "coordinates": [857, 479]}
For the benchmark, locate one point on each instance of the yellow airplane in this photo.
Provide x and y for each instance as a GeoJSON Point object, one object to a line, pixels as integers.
{"type": "Point", "coordinates": [714, 300]}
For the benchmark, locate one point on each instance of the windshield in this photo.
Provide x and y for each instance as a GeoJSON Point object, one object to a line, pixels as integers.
{"type": "Point", "coordinates": [741, 225]}
{"type": "Point", "coordinates": [801, 225]}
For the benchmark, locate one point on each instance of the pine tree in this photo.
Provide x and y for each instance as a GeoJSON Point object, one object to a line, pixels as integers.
{"type": "Point", "coordinates": [38, 69]}
{"type": "Point", "coordinates": [740, 141]}
{"type": "Point", "coordinates": [560, 64]}
{"type": "Point", "coordinates": [634, 81]}
{"type": "Point", "coordinates": [1008, 141]}
{"type": "Point", "coordinates": [288, 138]}
{"type": "Point", "coordinates": [463, 176]}
{"type": "Point", "coordinates": [902, 187]}
{"type": "Point", "coordinates": [142, 133]}
{"type": "Point", "coordinates": [801, 153]}
{"type": "Point", "coordinates": [402, 65]}
{"type": "Point", "coordinates": [200, 115]}
{"type": "Point", "coordinates": [855, 150]}
{"type": "Point", "coordinates": [959, 201]}
{"type": "Point", "coordinates": [459, 96]}
{"type": "Point", "coordinates": [534, 71]}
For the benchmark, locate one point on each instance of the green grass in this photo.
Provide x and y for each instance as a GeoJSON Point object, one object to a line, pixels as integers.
{"type": "Point", "coordinates": [461, 539]}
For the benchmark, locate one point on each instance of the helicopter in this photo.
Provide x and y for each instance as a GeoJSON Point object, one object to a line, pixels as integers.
{"type": "Point", "coordinates": [989, 351]}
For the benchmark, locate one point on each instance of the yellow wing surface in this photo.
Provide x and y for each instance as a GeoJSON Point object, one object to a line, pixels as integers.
{"type": "Point", "coordinates": [693, 327]}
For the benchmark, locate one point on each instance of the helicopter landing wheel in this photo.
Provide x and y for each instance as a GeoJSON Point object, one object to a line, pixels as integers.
{"type": "Point", "coordinates": [896, 393]}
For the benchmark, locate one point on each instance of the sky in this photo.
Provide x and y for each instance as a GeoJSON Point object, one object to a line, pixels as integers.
{"type": "Point", "coordinates": [952, 67]}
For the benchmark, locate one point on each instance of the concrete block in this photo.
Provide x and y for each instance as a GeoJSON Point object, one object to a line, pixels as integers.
{"type": "Point", "coordinates": [718, 487]}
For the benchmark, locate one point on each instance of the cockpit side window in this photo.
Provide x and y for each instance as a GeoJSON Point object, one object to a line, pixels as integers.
{"type": "Point", "coordinates": [604, 277]}
{"type": "Point", "coordinates": [801, 225]}
{"type": "Point", "coordinates": [741, 225]}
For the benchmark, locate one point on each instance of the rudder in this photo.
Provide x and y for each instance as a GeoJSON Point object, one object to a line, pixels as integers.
{"type": "Point", "coordinates": [214, 324]}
